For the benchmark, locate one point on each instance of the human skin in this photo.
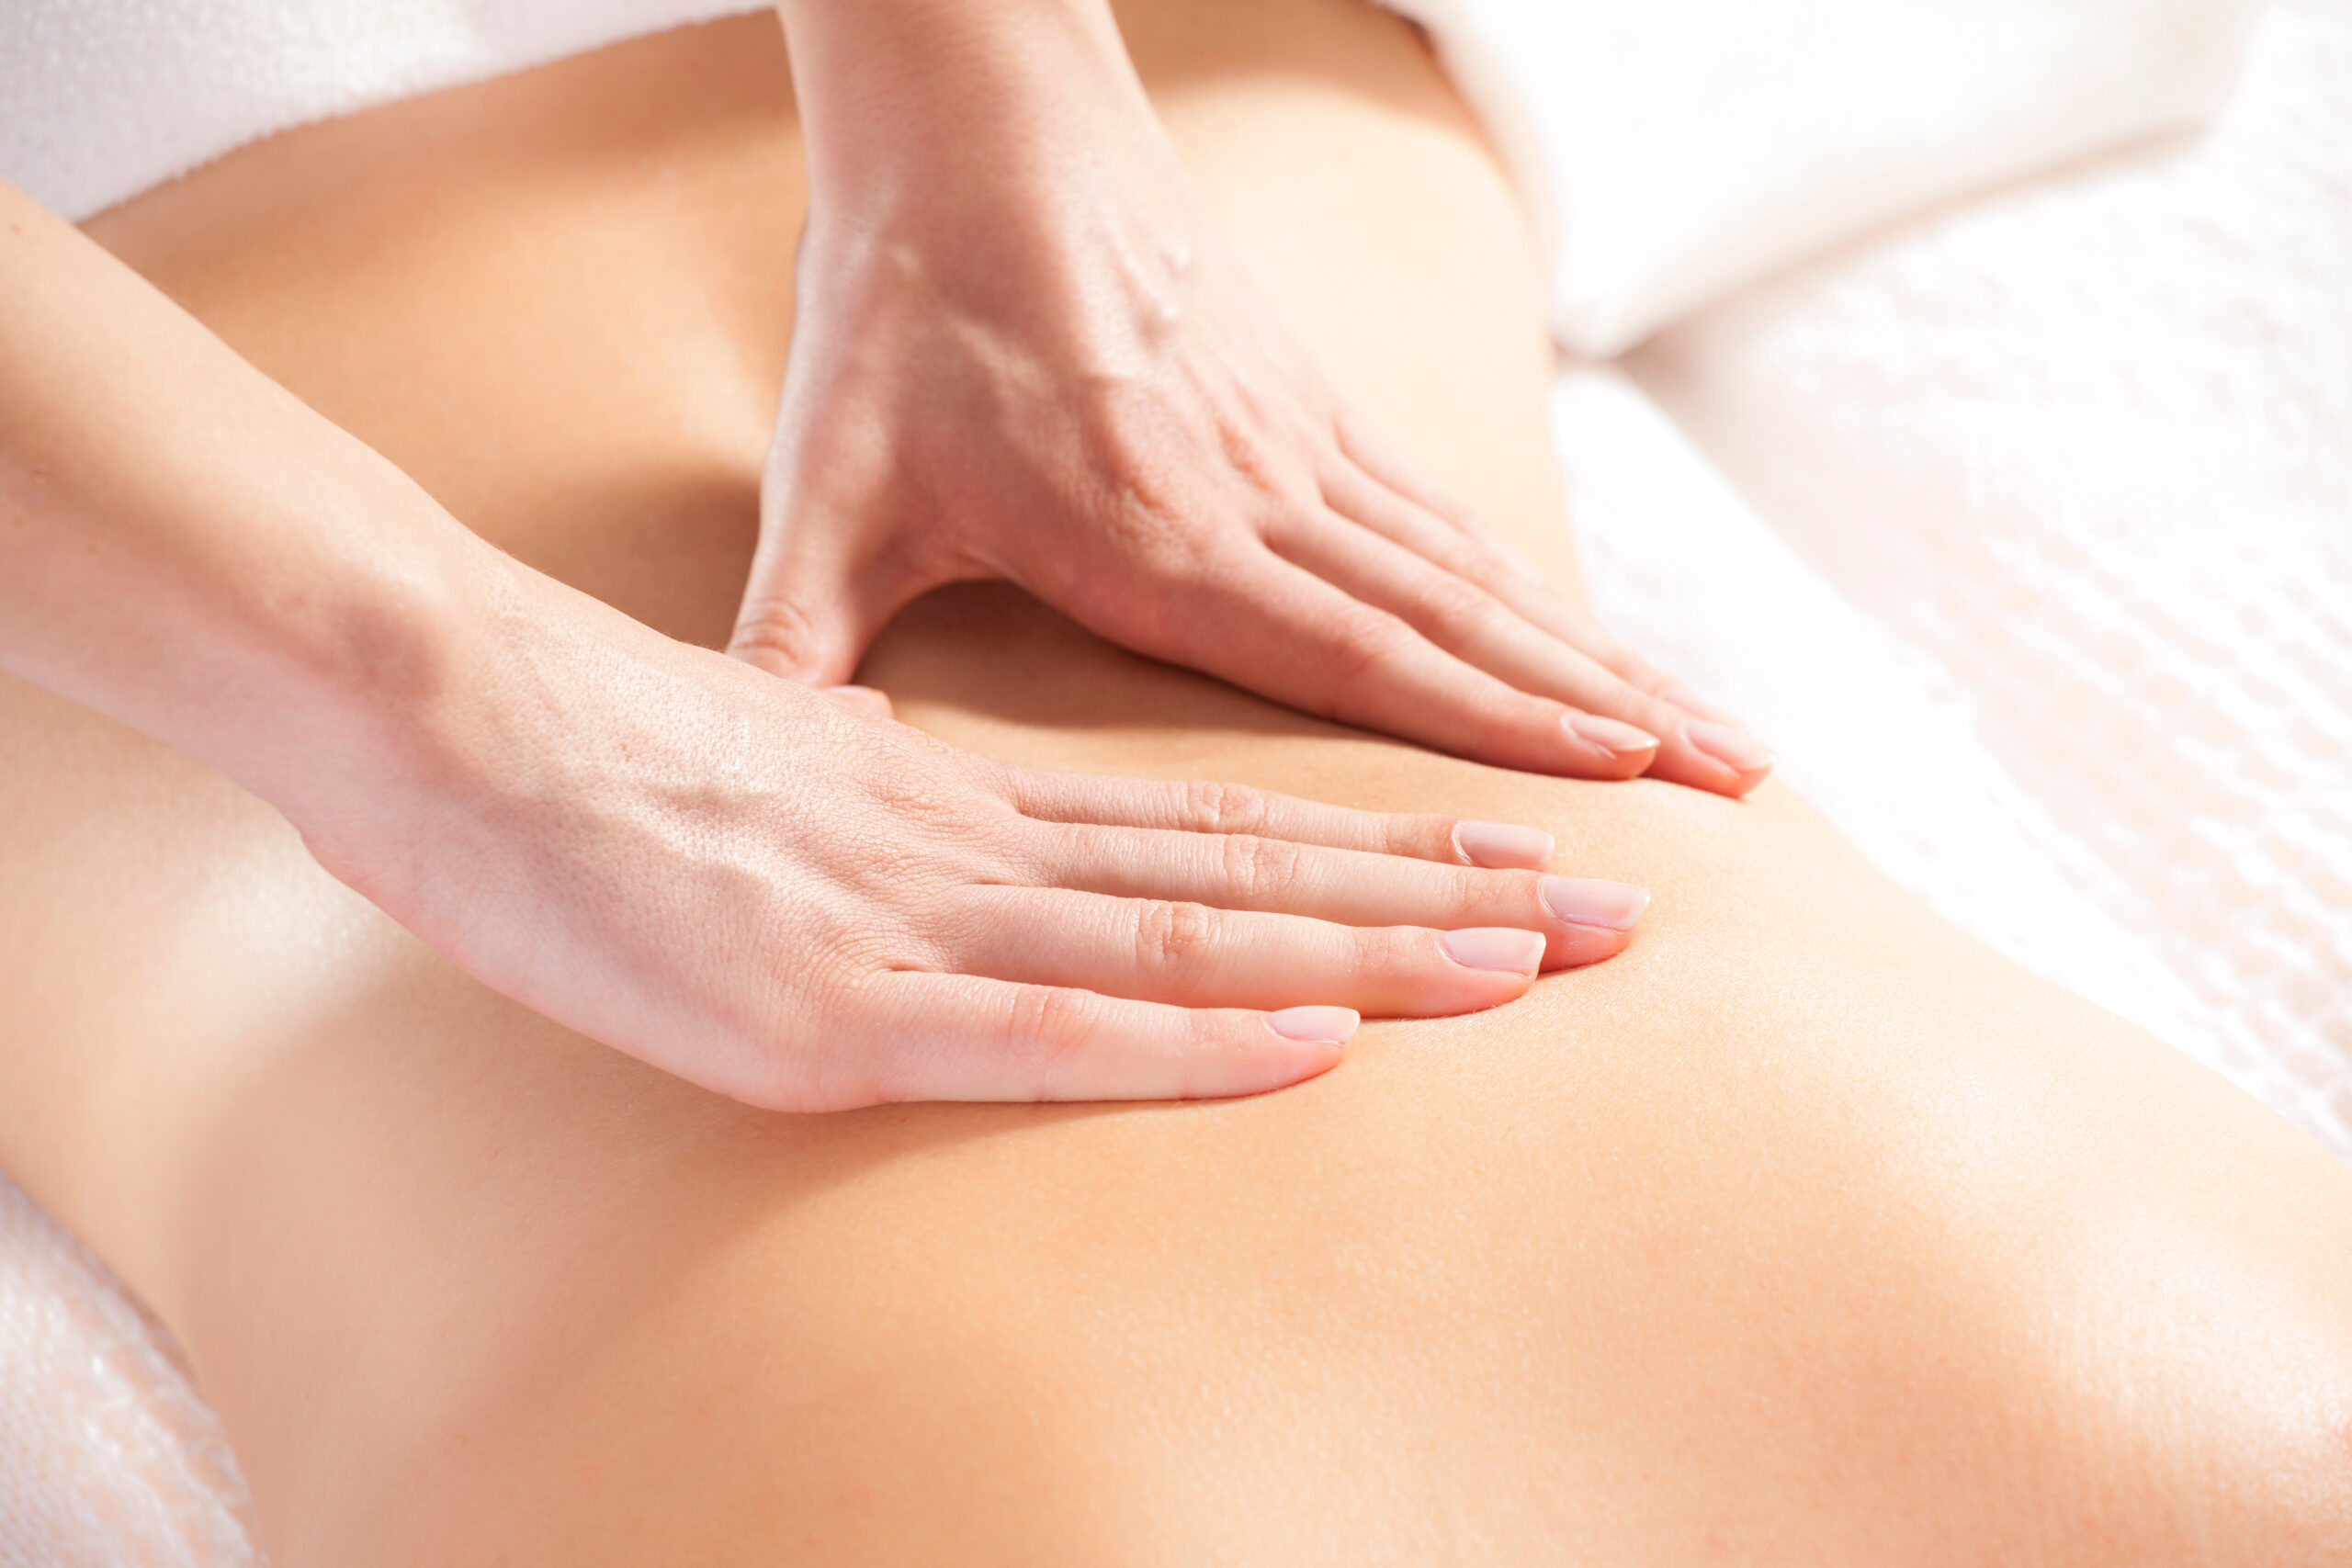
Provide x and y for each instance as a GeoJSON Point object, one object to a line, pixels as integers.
{"type": "Point", "coordinates": [1805, 1231]}
{"type": "Point", "coordinates": [550, 794]}
{"type": "Point", "coordinates": [1031, 355]}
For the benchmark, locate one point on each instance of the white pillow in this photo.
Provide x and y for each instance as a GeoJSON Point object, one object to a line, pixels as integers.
{"type": "Point", "coordinates": [1674, 149]}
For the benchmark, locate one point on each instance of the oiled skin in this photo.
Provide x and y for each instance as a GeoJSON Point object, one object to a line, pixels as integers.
{"type": "Point", "coordinates": [1806, 1232]}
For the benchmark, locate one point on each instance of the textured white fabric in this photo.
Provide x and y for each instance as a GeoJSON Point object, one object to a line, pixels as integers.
{"type": "Point", "coordinates": [107, 1458]}
{"type": "Point", "coordinates": [2048, 616]}
{"type": "Point", "coordinates": [1674, 149]}
{"type": "Point", "coordinates": [2082, 456]}
{"type": "Point", "coordinates": [1870, 729]}
{"type": "Point", "coordinates": [101, 98]}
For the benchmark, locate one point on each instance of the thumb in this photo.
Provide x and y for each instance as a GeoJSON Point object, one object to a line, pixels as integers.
{"type": "Point", "coordinates": [863, 699]}
{"type": "Point", "coordinates": [808, 620]}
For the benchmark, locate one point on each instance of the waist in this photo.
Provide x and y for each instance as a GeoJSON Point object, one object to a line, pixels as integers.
{"type": "Point", "coordinates": [560, 299]}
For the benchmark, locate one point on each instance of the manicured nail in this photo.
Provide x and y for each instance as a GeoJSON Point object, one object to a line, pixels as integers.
{"type": "Point", "coordinates": [1611, 736]}
{"type": "Point", "coordinates": [1502, 846]}
{"type": "Point", "coordinates": [1689, 701]}
{"type": "Point", "coordinates": [1733, 747]}
{"type": "Point", "coordinates": [1494, 947]}
{"type": "Point", "coordinates": [1331, 1026]}
{"type": "Point", "coordinates": [1588, 901]}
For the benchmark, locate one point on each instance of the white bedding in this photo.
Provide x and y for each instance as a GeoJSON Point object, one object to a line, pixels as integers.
{"type": "Point", "coordinates": [2077, 459]}
{"type": "Point", "coordinates": [2024, 530]}
{"type": "Point", "coordinates": [1670, 149]}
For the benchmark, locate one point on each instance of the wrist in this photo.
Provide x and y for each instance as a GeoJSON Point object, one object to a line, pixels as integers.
{"type": "Point", "coordinates": [995, 164]}
{"type": "Point", "coordinates": [928, 105]}
{"type": "Point", "coordinates": [362, 680]}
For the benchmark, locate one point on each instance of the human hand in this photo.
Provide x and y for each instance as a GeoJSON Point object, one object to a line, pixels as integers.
{"type": "Point", "coordinates": [716, 871]}
{"type": "Point", "coordinates": [810, 909]}
{"type": "Point", "coordinates": [1023, 352]}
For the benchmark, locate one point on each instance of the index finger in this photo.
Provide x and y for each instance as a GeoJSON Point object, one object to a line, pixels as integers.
{"type": "Point", "coordinates": [1202, 807]}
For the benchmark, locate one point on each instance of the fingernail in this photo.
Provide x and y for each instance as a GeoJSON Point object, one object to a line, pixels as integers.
{"type": "Point", "coordinates": [1689, 701]}
{"type": "Point", "coordinates": [1331, 1026]}
{"type": "Point", "coordinates": [1731, 745]}
{"type": "Point", "coordinates": [1611, 736]}
{"type": "Point", "coordinates": [1494, 947]}
{"type": "Point", "coordinates": [1588, 901]}
{"type": "Point", "coordinates": [1502, 846]}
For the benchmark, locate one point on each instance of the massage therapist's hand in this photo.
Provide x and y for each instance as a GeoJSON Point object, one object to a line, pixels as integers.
{"type": "Point", "coordinates": [1021, 352]}
{"type": "Point", "coordinates": [725, 874]}
{"type": "Point", "coordinates": [809, 908]}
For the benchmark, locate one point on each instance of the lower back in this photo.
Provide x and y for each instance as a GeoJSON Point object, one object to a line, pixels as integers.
{"type": "Point", "coordinates": [1805, 1229]}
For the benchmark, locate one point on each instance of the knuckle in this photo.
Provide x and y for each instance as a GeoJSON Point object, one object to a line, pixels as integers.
{"type": "Point", "coordinates": [1165, 543]}
{"type": "Point", "coordinates": [1358, 648]}
{"type": "Point", "coordinates": [1162, 563]}
{"type": "Point", "coordinates": [1465, 560]}
{"type": "Point", "coordinates": [1027, 790]}
{"type": "Point", "coordinates": [933, 807]}
{"type": "Point", "coordinates": [1225, 808]}
{"type": "Point", "coordinates": [1049, 1023]}
{"type": "Point", "coordinates": [1020, 851]}
{"type": "Point", "coordinates": [1270, 462]}
{"type": "Point", "coordinates": [779, 629]}
{"type": "Point", "coordinates": [1173, 937]}
{"type": "Point", "coordinates": [1264, 871]}
{"type": "Point", "coordinates": [1245, 449]}
{"type": "Point", "coordinates": [1452, 601]}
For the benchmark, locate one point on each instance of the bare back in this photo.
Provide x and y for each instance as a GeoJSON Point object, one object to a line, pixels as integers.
{"type": "Point", "coordinates": [1805, 1231]}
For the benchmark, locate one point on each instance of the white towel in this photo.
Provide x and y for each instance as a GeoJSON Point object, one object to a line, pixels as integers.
{"type": "Point", "coordinates": [1673, 149]}
{"type": "Point", "coordinates": [100, 99]}
{"type": "Point", "coordinates": [2083, 452]}
{"type": "Point", "coordinates": [1669, 149]}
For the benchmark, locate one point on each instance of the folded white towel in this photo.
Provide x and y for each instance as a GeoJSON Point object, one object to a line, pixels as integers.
{"type": "Point", "coordinates": [2085, 451]}
{"type": "Point", "coordinates": [100, 99]}
{"type": "Point", "coordinates": [1674, 149]}
{"type": "Point", "coordinates": [1671, 149]}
